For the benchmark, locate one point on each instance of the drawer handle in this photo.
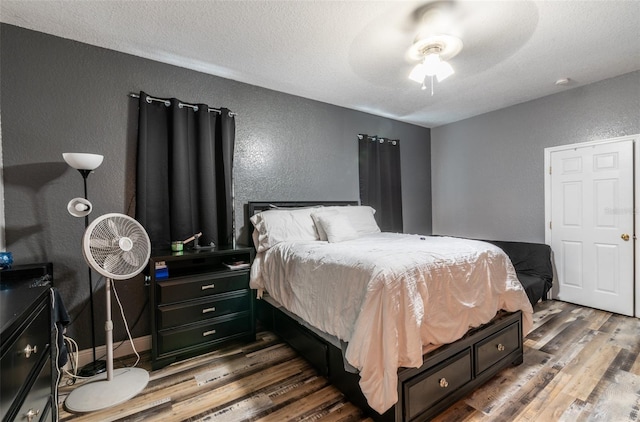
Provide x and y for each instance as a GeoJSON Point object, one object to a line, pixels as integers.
{"type": "Point", "coordinates": [31, 414]}
{"type": "Point", "coordinates": [208, 333]}
{"type": "Point", "coordinates": [207, 310]}
{"type": "Point", "coordinates": [444, 383]}
{"type": "Point", "coordinates": [208, 286]}
{"type": "Point", "coordinates": [500, 347]}
{"type": "Point", "coordinates": [30, 350]}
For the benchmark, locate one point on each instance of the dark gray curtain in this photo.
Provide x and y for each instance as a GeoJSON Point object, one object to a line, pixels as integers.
{"type": "Point", "coordinates": [184, 172]}
{"type": "Point", "coordinates": [380, 187]}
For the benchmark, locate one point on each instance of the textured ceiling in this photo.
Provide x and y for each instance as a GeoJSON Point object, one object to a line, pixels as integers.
{"type": "Point", "coordinates": [354, 53]}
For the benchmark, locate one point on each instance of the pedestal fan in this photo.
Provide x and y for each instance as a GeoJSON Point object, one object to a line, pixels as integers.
{"type": "Point", "coordinates": [117, 247]}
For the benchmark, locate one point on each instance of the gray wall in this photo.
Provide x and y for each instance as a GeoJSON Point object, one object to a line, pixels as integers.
{"type": "Point", "coordinates": [63, 96]}
{"type": "Point", "coordinates": [487, 171]}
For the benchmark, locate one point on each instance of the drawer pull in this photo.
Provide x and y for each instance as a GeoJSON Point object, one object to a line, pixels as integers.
{"type": "Point", "coordinates": [444, 383]}
{"type": "Point", "coordinates": [208, 333]}
{"type": "Point", "coordinates": [30, 350]}
{"type": "Point", "coordinates": [500, 347]}
{"type": "Point", "coordinates": [207, 310]}
{"type": "Point", "coordinates": [208, 286]}
{"type": "Point", "coordinates": [31, 414]}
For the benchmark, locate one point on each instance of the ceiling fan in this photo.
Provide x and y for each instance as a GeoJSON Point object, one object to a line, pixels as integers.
{"type": "Point", "coordinates": [438, 40]}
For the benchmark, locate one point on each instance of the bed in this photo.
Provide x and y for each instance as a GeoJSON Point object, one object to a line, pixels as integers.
{"type": "Point", "coordinates": [404, 325]}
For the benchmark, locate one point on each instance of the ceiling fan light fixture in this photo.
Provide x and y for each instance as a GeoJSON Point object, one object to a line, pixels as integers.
{"type": "Point", "coordinates": [444, 71]}
{"type": "Point", "coordinates": [418, 73]}
{"type": "Point", "coordinates": [433, 53]}
{"type": "Point", "coordinates": [432, 63]}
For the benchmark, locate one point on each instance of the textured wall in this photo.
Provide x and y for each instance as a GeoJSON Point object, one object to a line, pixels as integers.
{"type": "Point", "coordinates": [63, 96]}
{"type": "Point", "coordinates": [487, 171]}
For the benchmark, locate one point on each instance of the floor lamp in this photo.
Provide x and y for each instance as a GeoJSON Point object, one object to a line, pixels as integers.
{"type": "Point", "coordinates": [79, 207]}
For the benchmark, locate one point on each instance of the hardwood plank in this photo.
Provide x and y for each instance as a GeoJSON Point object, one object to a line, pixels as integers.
{"type": "Point", "coordinates": [304, 406]}
{"type": "Point", "coordinates": [545, 399]}
{"type": "Point", "coordinates": [552, 325]}
{"type": "Point", "coordinates": [196, 404]}
{"type": "Point", "coordinates": [635, 368]}
{"type": "Point", "coordinates": [460, 412]}
{"type": "Point", "coordinates": [618, 399]}
{"type": "Point", "coordinates": [594, 369]}
{"type": "Point", "coordinates": [343, 412]}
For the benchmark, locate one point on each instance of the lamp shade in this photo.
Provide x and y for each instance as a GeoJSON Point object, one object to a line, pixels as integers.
{"type": "Point", "coordinates": [83, 161]}
{"type": "Point", "coordinates": [79, 207]}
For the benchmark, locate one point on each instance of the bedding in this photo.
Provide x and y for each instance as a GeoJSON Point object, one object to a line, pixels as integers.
{"type": "Point", "coordinates": [390, 296]}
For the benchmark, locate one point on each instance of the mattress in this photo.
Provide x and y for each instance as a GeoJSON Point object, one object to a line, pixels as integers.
{"type": "Point", "coordinates": [390, 296]}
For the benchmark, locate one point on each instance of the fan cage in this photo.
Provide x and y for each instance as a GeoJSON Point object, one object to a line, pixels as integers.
{"type": "Point", "coordinates": [106, 247]}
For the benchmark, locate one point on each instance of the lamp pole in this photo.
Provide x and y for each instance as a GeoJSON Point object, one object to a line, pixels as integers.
{"type": "Point", "coordinates": [96, 366]}
{"type": "Point", "coordinates": [85, 163]}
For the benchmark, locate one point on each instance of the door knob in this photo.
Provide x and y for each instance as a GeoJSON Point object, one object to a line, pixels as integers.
{"type": "Point", "coordinates": [625, 237]}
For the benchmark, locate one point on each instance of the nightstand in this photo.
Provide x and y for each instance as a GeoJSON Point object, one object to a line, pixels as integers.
{"type": "Point", "coordinates": [199, 300]}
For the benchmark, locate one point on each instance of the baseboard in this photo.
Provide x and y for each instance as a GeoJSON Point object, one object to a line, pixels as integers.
{"type": "Point", "coordinates": [119, 350]}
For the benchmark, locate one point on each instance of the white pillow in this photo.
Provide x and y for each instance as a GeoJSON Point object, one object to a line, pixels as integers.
{"type": "Point", "coordinates": [336, 226]}
{"type": "Point", "coordinates": [316, 219]}
{"type": "Point", "coordinates": [280, 225]}
{"type": "Point", "coordinates": [360, 217]}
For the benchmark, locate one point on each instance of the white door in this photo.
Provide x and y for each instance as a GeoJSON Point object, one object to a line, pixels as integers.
{"type": "Point", "coordinates": [592, 225]}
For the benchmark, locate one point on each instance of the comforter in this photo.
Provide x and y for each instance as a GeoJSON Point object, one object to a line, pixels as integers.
{"type": "Point", "coordinates": [390, 296]}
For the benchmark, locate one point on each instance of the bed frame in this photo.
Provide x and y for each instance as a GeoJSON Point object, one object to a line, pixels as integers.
{"type": "Point", "coordinates": [447, 374]}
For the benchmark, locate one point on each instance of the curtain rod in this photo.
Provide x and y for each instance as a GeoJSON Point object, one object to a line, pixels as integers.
{"type": "Point", "coordinates": [180, 104]}
{"type": "Point", "coordinates": [374, 138]}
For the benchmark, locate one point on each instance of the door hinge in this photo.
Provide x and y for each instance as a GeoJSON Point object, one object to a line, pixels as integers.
{"type": "Point", "coordinates": [549, 169]}
{"type": "Point", "coordinates": [550, 225]}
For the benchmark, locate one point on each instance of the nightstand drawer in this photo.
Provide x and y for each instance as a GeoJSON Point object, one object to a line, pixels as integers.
{"type": "Point", "coordinates": [199, 334]}
{"type": "Point", "coordinates": [202, 309]}
{"type": "Point", "coordinates": [493, 349]}
{"type": "Point", "coordinates": [423, 391]}
{"type": "Point", "coordinates": [193, 287]}
{"type": "Point", "coordinates": [20, 359]}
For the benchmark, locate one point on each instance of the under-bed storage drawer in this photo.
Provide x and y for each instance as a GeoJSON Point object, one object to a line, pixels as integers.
{"type": "Point", "coordinates": [491, 350]}
{"type": "Point", "coordinates": [426, 389]}
{"type": "Point", "coordinates": [313, 349]}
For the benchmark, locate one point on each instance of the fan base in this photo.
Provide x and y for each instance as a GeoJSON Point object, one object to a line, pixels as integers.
{"type": "Point", "coordinates": [98, 393]}
{"type": "Point", "coordinates": [93, 368]}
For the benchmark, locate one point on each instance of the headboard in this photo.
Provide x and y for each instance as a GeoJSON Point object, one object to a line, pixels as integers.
{"type": "Point", "coordinates": [255, 207]}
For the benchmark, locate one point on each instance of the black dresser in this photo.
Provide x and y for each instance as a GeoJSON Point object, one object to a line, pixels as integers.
{"type": "Point", "coordinates": [28, 381]}
{"type": "Point", "coordinates": [199, 302]}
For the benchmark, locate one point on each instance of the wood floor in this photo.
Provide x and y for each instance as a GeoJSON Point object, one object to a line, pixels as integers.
{"type": "Point", "coordinates": [580, 364]}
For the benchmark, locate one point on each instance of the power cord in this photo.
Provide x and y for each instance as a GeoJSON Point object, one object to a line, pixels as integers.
{"type": "Point", "coordinates": [52, 294]}
{"type": "Point", "coordinates": [126, 325]}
